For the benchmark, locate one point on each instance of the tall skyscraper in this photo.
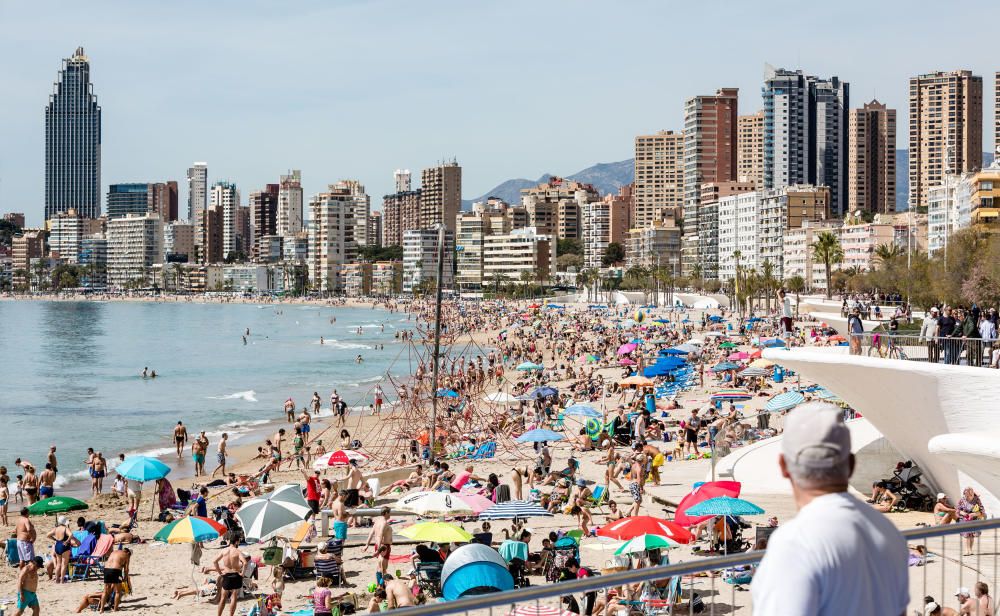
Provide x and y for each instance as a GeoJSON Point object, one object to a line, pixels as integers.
{"type": "Point", "coordinates": [659, 175]}
{"type": "Point", "coordinates": [996, 113]}
{"type": "Point", "coordinates": [197, 177]}
{"type": "Point", "coordinates": [73, 142]}
{"type": "Point", "coordinates": [871, 159]}
{"type": "Point", "coordinates": [263, 215]}
{"type": "Point", "coordinates": [805, 132]}
{"type": "Point", "coordinates": [362, 208]}
{"type": "Point", "coordinates": [709, 157]}
{"type": "Point", "coordinates": [750, 149]}
{"type": "Point", "coordinates": [441, 195]}
{"type": "Point", "coordinates": [332, 236]}
{"type": "Point", "coordinates": [227, 197]}
{"type": "Point", "coordinates": [290, 203]}
{"type": "Point", "coordinates": [946, 129]}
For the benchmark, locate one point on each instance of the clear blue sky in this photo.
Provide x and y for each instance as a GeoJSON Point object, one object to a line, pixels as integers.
{"type": "Point", "coordinates": [356, 89]}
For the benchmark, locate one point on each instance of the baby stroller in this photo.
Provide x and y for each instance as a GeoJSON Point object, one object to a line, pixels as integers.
{"type": "Point", "coordinates": [519, 571]}
{"type": "Point", "coordinates": [564, 549]}
{"type": "Point", "coordinates": [234, 532]}
{"type": "Point", "coordinates": [913, 494]}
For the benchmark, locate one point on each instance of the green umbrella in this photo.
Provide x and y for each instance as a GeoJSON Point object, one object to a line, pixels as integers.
{"type": "Point", "coordinates": [645, 542]}
{"type": "Point", "coordinates": [727, 345]}
{"type": "Point", "coordinates": [57, 504]}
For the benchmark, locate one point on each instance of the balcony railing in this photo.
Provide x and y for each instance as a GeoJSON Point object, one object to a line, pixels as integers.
{"type": "Point", "coordinates": [719, 583]}
{"type": "Point", "coordinates": [975, 352]}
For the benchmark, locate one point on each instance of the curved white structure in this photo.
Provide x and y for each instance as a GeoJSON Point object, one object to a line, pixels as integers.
{"type": "Point", "coordinates": [940, 416]}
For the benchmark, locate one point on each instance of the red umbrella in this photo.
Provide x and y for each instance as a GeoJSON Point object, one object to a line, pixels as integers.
{"type": "Point", "coordinates": [341, 457]}
{"type": "Point", "coordinates": [704, 492]}
{"type": "Point", "coordinates": [756, 354]}
{"type": "Point", "coordinates": [629, 528]}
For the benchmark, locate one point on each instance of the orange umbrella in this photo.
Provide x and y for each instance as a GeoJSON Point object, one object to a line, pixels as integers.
{"type": "Point", "coordinates": [637, 380]}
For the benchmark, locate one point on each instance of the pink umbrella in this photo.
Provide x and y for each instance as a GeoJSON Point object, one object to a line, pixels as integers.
{"type": "Point", "coordinates": [478, 502]}
{"type": "Point", "coordinates": [739, 355]}
{"type": "Point", "coordinates": [626, 362]}
{"type": "Point", "coordinates": [625, 349]}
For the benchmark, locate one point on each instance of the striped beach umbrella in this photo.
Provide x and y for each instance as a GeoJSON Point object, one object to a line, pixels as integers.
{"type": "Point", "coordinates": [644, 543]}
{"type": "Point", "coordinates": [539, 610]}
{"type": "Point", "coordinates": [732, 394]}
{"type": "Point", "coordinates": [583, 410]}
{"type": "Point", "coordinates": [190, 529]}
{"type": "Point", "coordinates": [785, 401]}
{"type": "Point", "coordinates": [341, 457]}
{"type": "Point", "coordinates": [528, 366]}
{"type": "Point", "coordinates": [514, 509]}
{"type": "Point", "coordinates": [751, 371]}
{"type": "Point", "coordinates": [265, 516]}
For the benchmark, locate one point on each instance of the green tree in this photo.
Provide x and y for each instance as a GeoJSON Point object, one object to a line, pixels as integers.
{"type": "Point", "coordinates": [566, 261]}
{"type": "Point", "coordinates": [613, 254]}
{"type": "Point", "coordinates": [796, 284]}
{"type": "Point", "coordinates": [827, 250]}
{"type": "Point", "coordinates": [569, 246]}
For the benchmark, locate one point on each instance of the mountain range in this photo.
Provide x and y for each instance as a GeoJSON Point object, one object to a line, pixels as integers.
{"type": "Point", "coordinates": [609, 177]}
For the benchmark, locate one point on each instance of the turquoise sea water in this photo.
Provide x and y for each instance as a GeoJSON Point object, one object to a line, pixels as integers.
{"type": "Point", "coordinates": [70, 372]}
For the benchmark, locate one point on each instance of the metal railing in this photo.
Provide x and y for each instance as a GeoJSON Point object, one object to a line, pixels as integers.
{"type": "Point", "coordinates": [937, 573]}
{"type": "Point", "coordinates": [914, 347]}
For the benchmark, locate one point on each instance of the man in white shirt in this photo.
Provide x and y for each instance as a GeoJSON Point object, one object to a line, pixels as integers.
{"type": "Point", "coordinates": [838, 555]}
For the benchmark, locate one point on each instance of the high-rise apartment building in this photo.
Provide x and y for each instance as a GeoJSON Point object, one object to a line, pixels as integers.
{"type": "Point", "coordinates": [73, 142]}
{"type": "Point", "coordinates": [135, 245]}
{"type": "Point", "coordinates": [403, 180]}
{"type": "Point", "coordinates": [142, 198]}
{"type": "Point", "coordinates": [362, 208]}
{"type": "Point", "coordinates": [178, 242]}
{"type": "Point", "coordinates": [604, 222]}
{"type": "Point", "coordinates": [996, 113]}
{"type": "Point", "coordinates": [420, 259]}
{"type": "Point", "coordinates": [708, 226]}
{"type": "Point", "coordinates": [209, 235]}
{"type": "Point", "coordinates": [554, 207]}
{"type": "Point", "coordinates": [226, 196]}
{"type": "Point", "coordinates": [165, 200]}
{"type": "Point", "coordinates": [400, 213]}
{"type": "Point", "coordinates": [472, 229]}
{"type": "Point", "coordinates": [263, 216]}
{"type": "Point", "coordinates": [374, 230]}
{"type": "Point", "coordinates": [25, 248]}
{"type": "Point", "coordinates": [15, 218]}
{"type": "Point", "coordinates": [871, 159]}
{"type": "Point", "coordinates": [750, 149]}
{"type": "Point", "coordinates": [289, 203]}
{"type": "Point", "coordinates": [441, 195]}
{"type": "Point", "coordinates": [805, 132]}
{"type": "Point", "coordinates": [333, 235]}
{"type": "Point", "coordinates": [197, 178]}
{"type": "Point", "coordinates": [655, 245]}
{"type": "Point", "coordinates": [659, 176]}
{"type": "Point", "coordinates": [946, 129]}
{"type": "Point", "coordinates": [709, 156]}
{"type": "Point", "coordinates": [67, 230]}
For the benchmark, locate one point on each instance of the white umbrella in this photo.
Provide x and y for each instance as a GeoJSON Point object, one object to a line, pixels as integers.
{"type": "Point", "coordinates": [266, 516]}
{"type": "Point", "coordinates": [434, 504]}
{"type": "Point", "coordinates": [500, 397]}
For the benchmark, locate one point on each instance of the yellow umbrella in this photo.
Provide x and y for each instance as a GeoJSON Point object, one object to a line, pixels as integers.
{"type": "Point", "coordinates": [438, 532]}
{"type": "Point", "coordinates": [761, 363]}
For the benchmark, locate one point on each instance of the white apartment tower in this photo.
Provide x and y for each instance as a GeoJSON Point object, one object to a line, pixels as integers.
{"type": "Point", "coordinates": [227, 197]}
{"type": "Point", "coordinates": [332, 237]}
{"type": "Point", "coordinates": [290, 203]}
{"type": "Point", "coordinates": [135, 245]}
{"type": "Point", "coordinates": [197, 177]}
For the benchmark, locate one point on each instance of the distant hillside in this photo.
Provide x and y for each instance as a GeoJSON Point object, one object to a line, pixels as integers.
{"type": "Point", "coordinates": [606, 178]}
{"type": "Point", "coordinates": [903, 176]}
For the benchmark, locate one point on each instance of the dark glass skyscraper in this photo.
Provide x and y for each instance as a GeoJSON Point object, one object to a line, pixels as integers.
{"type": "Point", "coordinates": [73, 142]}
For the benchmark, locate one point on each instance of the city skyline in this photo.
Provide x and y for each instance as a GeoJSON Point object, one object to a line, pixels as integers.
{"type": "Point", "coordinates": [466, 98]}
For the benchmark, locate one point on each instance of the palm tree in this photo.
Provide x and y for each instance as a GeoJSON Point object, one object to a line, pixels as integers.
{"type": "Point", "coordinates": [886, 253]}
{"type": "Point", "coordinates": [768, 282]}
{"type": "Point", "coordinates": [827, 250]}
{"type": "Point", "coordinates": [796, 284]}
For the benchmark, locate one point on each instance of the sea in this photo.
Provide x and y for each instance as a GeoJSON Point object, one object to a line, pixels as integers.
{"type": "Point", "coordinates": [71, 372]}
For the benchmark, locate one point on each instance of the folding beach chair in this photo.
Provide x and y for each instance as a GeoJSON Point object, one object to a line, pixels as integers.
{"type": "Point", "coordinates": [598, 498]}
{"type": "Point", "coordinates": [85, 565]}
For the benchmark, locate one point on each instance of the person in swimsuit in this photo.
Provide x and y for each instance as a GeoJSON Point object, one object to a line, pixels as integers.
{"type": "Point", "coordinates": [230, 565]}
{"type": "Point", "coordinates": [30, 484]}
{"type": "Point", "coordinates": [27, 586]}
{"type": "Point", "coordinates": [24, 532]}
{"type": "Point", "coordinates": [46, 482]}
{"type": "Point", "coordinates": [115, 577]}
{"type": "Point", "coordinates": [4, 496]}
{"type": "Point", "coordinates": [62, 548]}
{"type": "Point", "coordinates": [180, 437]}
{"type": "Point", "coordinates": [52, 459]}
{"type": "Point", "coordinates": [220, 455]}
{"type": "Point", "coordinates": [100, 470]}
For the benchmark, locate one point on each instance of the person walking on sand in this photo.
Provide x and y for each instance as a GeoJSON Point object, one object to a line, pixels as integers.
{"type": "Point", "coordinates": [290, 410]}
{"type": "Point", "coordinates": [198, 448]}
{"type": "Point", "coordinates": [382, 534]}
{"type": "Point", "coordinates": [180, 438]}
{"type": "Point", "coordinates": [230, 565]}
{"type": "Point", "coordinates": [220, 455]}
{"type": "Point", "coordinates": [27, 586]}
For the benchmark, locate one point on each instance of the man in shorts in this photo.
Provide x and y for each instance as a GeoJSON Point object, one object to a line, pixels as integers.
{"type": "Point", "coordinates": [26, 535]}
{"type": "Point", "coordinates": [180, 437]}
{"type": "Point", "coordinates": [382, 534]}
{"type": "Point", "coordinates": [230, 565]}
{"type": "Point", "coordinates": [115, 577]}
{"type": "Point", "coordinates": [691, 432]}
{"type": "Point", "coordinates": [27, 586]}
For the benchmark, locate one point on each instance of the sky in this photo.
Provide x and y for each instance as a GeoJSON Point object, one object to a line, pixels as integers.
{"type": "Point", "coordinates": [358, 88]}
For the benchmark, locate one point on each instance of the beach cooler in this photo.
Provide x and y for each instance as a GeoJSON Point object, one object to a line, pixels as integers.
{"type": "Point", "coordinates": [779, 375]}
{"type": "Point", "coordinates": [651, 403]}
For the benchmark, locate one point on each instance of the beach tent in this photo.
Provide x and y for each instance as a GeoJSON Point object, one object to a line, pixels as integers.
{"type": "Point", "coordinates": [474, 569]}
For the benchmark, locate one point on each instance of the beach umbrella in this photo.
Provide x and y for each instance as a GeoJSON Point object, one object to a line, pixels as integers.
{"type": "Point", "coordinates": [545, 392]}
{"type": "Point", "coordinates": [687, 346]}
{"type": "Point", "coordinates": [265, 516]}
{"type": "Point", "coordinates": [727, 345]}
{"type": "Point", "coordinates": [437, 532]}
{"type": "Point", "coordinates": [142, 469]}
{"type": "Point", "coordinates": [637, 380]}
{"type": "Point", "coordinates": [773, 342]}
{"type": "Point", "coordinates": [724, 366]}
{"type": "Point", "coordinates": [528, 366]}
{"type": "Point", "coordinates": [738, 356]}
{"type": "Point", "coordinates": [190, 529]}
{"type": "Point", "coordinates": [642, 543]}
{"type": "Point", "coordinates": [539, 610]}
{"type": "Point", "coordinates": [635, 526]}
{"type": "Point", "coordinates": [695, 341]}
{"type": "Point", "coordinates": [515, 509]}
{"type": "Point", "coordinates": [749, 372]}
{"type": "Point", "coordinates": [478, 502]}
{"type": "Point", "coordinates": [756, 354]}
{"type": "Point", "coordinates": [785, 401]}
{"type": "Point", "coordinates": [725, 505]}
{"type": "Point", "coordinates": [716, 318]}
{"type": "Point", "coordinates": [674, 351]}
{"type": "Point", "coordinates": [500, 397]}
{"type": "Point", "coordinates": [539, 435]}
{"type": "Point", "coordinates": [762, 363]}
{"type": "Point", "coordinates": [433, 504]}
{"type": "Point", "coordinates": [625, 361]}
{"type": "Point", "coordinates": [627, 348]}
{"type": "Point", "coordinates": [447, 393]}
{"type": "Point", "coordinates": [837, 338]}
{"type": "Point", "coordinates": [56, 504]}
{"type": "Point", "coordinates": [732, 394]}
{"type": "Point", "coordinates": [583, 410]}
{"type": "Point", "coordinates": [700, 494]}
{"type": "Point", "coordinates": [714, 335]}
{"type": "Point", "coordinates": [341, 457]}
{"type": "Point", "coordinates": [826, 394]}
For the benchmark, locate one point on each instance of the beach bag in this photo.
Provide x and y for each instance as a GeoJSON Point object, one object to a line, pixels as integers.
{"type": "Point", "coordinates": [272, 555]}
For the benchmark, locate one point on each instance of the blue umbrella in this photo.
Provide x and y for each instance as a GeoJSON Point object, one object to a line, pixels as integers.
{"type": "Point", "coordinates": [685, 320]}
{"type": "Point", "coordinates": [785, 401]}
{"type": "Point", "coordinates": [545, 392]}
{"type": "Point", "coordinates": [774, 342]}
{"type": "Point", "coordinates": [142, 468]}
{"type": "Point", "coordinates": [826, 394]}
{"type": "Point", "coordinates": [724, 505]}
{"type": "Point", "coordinates": [715, 318]}
{"type": "Point", "coordinates": [539, 435]}
{"type": "Point", "coordinates": [754, 319]}
{"type": "Point", "coordinates": [674, 351]}
{"type": "Point", "coordinates": [526, 366]}
{"type": "Point", "coordinates": [583, 410]}
{"type": "Point", "coordinates": [664, 321]}
{"type": "Point", "coordinates": [724, 366]}
{"type": "Point", "coordinates": [447, 393]}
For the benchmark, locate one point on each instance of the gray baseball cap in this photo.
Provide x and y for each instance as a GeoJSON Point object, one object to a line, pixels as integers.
{"type": "Point", "coordinates": [815, 436]}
